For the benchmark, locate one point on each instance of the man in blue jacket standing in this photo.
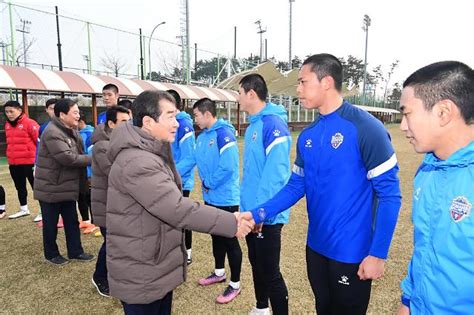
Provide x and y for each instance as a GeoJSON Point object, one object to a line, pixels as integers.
{"type": "Point", "coordinates": [347, 168]}
{"type": "Point", "coordinates": [217, 159]}
{"type": "Point", "coordinates": [183, 155]}
{"type": "Point", "coordinates": [437, 103]}
{"type": "Point", "coordinates": [266, 170]}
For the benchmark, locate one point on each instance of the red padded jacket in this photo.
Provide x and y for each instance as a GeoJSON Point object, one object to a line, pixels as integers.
{"type": "Point", "coordinates": [21, 141]}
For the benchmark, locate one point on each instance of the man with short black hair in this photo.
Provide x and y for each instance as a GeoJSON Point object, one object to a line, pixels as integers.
{"type": "Point", "coordinates": [21, 135]}
{"type": "Point", "coordinates": [437, 103]}
{"type": "Point", "coordinates": [84, 202]}
{"type": "Point", "coordinates": [110, 96]}
{"type": "Point", "coordinates": [347, 168]}
{"type": "Point", "coordinates": [217, 159]}
{"type": "Point", "coordinates": [183, 155]}
{"type": "Point", "coordinates": [99, 182]}
{"type": "Point", "coordinates": [266, 170]}
{"type": "Point", "coordinates": [59, 178]}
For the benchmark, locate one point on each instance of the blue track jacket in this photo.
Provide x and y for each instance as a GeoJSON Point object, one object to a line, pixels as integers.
{"type": "Point", "coordinates": [440, 277]}
{"type": "Point", "coordinates": [266, 160]}
{"type": "Point", "coordinates": [217, 158]}
{"type": "Point", "coordinates": [86, 134]}
{"type": "Point", "coordinates": [346, 166]}
{"type": "Point", "coordinates": [183, 150]}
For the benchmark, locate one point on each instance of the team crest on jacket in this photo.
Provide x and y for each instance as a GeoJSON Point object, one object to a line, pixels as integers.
{"type": "Point", "coordinates": [460, 208]}
{"type": "Point", "coordinates": [211, 143]}
{"type": "Point", "coordinates": [254, 136]}
{"type": "Point", "coordinates": [20, 126]}
{"type": "Point", "coordinates": [337, 140]}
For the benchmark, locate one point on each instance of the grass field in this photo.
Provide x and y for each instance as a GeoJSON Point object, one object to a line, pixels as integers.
{"type": "Point", "coordinates": [31, 286]}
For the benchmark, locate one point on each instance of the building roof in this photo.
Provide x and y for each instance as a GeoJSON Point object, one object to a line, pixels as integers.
{"type": "Point", "coordinates": [33, 79]}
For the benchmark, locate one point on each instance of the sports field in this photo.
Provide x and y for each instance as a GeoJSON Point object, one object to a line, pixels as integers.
{"type": "Point", "coordinates": [31, 286]}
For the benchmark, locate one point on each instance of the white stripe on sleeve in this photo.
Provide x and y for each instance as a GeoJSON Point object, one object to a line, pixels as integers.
{"type": "Point", "coordinates": [298, 170]}
{"type": "Point", "coordinates": [275, 142]}
{"type": "Point", "coordinates": [382, 168]}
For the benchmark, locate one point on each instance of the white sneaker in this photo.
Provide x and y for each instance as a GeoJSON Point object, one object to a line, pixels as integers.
{"type": "Point", "coordinates": [38, 218]}
{"type": "Point", "coordinates": [260, 311]}
{"type": "Point", "coordinates": [19, 214]}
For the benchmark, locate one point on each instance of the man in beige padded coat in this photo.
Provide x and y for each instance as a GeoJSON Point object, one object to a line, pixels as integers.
{"type": "Point", "coordinates": [146, 212]}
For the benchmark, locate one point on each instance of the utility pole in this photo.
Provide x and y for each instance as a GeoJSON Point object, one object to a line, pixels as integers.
{"type": "Point", "coordinates": [290, 65]}
{"type": "Point", "coordinates": [86, 59]}
{"type": "Point", "coordinates": [60, 57]}
{"type": "Point", "coordinates": [25, 29]}
{"type": "Point", "coordinates": [365, 27]}
{"type": "Point", "coordinates": [12, 35]}
{"type": "Point", "coordinates": [195, 60]}
{"type": "Point", "coordinates": [142, 76]}
{"type": "Point", "coordinates": [89, 57]}
{"type": "Point", "coordinates": [260, 31]}
{"type": "Point", "coordinates": [4, 45]}
{"type": "Point", "coordinates": [235, 42]}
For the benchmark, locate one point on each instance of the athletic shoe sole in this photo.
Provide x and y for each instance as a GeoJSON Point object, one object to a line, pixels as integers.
{"type": "Point", "coordinates": [98, 291]}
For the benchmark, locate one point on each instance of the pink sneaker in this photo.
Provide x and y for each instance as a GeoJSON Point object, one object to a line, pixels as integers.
{"type": "Point", "coordinates": [229, 294]}
{"type": "Point", "coordinates": [211, 279]}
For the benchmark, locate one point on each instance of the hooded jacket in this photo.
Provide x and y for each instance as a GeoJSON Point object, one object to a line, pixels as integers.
{"type": "Point", "coordinates": [217, 158]}
{"type": "Point", "coordinates": [183, 150]}
{"type": "Point", "coordinates": [146, 215]}
{"type": "Point", "coordinates": [441, 270]}
{"type": "Point", "coordinates": [21, 137]}
{"type": "Point", "coordinates": [61, 166]}
{"type": "Point", "coordinates": [266, 160]}
{"type": "Point", "coordinates": [100, 174]}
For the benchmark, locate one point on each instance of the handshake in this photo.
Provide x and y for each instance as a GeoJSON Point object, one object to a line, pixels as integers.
{"type": "Point", "coordinates": [246, 224]}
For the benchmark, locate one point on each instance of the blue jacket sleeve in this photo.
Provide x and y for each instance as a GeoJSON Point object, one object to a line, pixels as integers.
{"type": "Point", "coordinates": [387, 189]}
{"type": "Point", "coordinates": [382, 170]}
{"type": "Point", "coordinates": [228, 159]}
{"type": "Point", "coordinates": [276, 171]}
{"type": "Point", "coordinates": [293, 191]}
{"type": "Point", "coordinates": [186, 143]}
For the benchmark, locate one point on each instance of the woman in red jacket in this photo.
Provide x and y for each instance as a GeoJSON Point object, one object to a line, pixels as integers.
{"type": "Point", "coordinates": [22, 135]}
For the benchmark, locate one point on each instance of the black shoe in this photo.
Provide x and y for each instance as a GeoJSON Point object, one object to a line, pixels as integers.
{"type": "Point", "coordinates": [83, 257]}
{"type": "Point", "coordinates": [58, 260]}
{"type": "Point", "coordinates": [102, 287]}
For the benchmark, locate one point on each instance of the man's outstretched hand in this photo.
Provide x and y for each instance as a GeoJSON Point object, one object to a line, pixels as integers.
{"type": "Point", "coordinates": [245, 223]}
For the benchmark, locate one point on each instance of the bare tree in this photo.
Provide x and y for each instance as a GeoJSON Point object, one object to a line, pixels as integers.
{"type": "Point", "coordinates": [113, 64]}
{"type": "Point", "coordinates": [393, 66]}
{"type": "Point", "coordinates": [21, 51]}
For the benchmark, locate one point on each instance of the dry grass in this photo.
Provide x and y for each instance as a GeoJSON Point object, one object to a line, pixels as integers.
{"type": "Point", "coordinates": [30, 286]}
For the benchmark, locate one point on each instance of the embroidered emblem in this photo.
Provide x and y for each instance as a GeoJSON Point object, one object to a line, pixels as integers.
{"type": "Point", "coordinates": [337, 140]}
{"type": "Point", "coordinates": [226, 139]}
{"type": "Point", "coordinates": [344, 280]}
{"type": "Point", "coordinates": [460, 208]}
{"type": "Point", "coordinates": [20, 126]}
{"type": "Point", "coordinates": [211, 143]}
{"type": "Point", "coordinates": [254, 136]}
{"type": "Point", "coordinates": [276, 132]}
{"type": "Point", "coordinates": [309, 143]}
{"type": "Point", "coordinates": [186, 129]}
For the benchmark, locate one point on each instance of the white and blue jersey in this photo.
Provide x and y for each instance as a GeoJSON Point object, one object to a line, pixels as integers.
{"type": "Point", "coordinates": [347, 168]}
{"type": "Point", "coordinates": [217, 159]}
{"type": "Point", "coordinates": [183, 150]}
{"type": "Point", "coordinates": [441, 271]}
{"type": "Point", "coordinates": [266, 160]}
